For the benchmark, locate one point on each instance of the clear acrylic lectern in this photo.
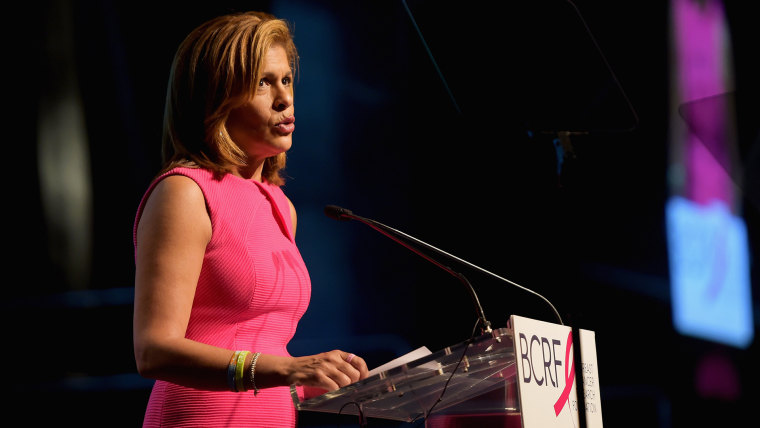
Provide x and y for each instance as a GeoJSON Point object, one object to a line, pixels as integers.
{"type": "Point", "coordinates": [479, 384]}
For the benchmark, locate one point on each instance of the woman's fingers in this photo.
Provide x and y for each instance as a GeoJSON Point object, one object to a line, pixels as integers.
{"type": "Point", "coordinates": [358, 364]}
{"type": "Point", "coordinates": [328, 383]}
{"type": "Point", "coordinates": [329, 370]}
{"type": "Point", "coordinates": [345, 373]}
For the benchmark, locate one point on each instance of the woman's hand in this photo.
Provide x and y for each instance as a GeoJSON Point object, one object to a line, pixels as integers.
{"type": "Point", "coordinates": [328, 371]}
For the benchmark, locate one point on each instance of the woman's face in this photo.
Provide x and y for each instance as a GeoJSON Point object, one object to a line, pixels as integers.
{"type": "Point", "coordinates": [263, 126]}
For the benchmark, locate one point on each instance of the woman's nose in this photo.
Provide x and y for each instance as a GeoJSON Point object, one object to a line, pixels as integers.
{"type": "Point", "coordinates": [283, 99]}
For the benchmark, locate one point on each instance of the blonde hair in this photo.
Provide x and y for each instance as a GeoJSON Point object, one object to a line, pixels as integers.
{"type": "Point", "coordinates": [216, 66]}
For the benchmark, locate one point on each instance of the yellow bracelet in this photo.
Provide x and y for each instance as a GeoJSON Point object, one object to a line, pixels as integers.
{"type": "Point", "coordinates": [231, 370]}
{"type": "Point", "coordinates": [240, 371]}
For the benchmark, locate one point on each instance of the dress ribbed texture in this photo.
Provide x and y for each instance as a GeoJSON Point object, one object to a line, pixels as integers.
{"type": "Point", "coordinates": [252, 291]}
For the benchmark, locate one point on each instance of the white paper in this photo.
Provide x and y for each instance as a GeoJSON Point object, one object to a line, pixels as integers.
{"type": "Point", "coordinates": [406, 358]}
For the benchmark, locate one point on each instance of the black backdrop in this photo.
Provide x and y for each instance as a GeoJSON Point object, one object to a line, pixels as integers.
{"type": "Point", "coordinates": [379, 134]}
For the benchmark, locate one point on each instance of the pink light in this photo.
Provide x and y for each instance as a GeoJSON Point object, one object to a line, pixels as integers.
{"type": "Point", "coordinates": [700, 31]}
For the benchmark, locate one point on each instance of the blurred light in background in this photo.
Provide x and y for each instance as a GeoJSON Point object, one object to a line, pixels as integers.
{"type": "Point", "coordinates": [707, 238]}
{"type": "Point", "coordinates": [63, 154]}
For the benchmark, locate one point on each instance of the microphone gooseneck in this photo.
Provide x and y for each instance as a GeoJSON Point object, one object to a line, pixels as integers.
{"type": "Point", "coordinates": [343, 214]}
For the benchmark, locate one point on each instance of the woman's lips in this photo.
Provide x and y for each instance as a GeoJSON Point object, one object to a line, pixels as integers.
{"type": "Point", "coordinates": [287, 126]}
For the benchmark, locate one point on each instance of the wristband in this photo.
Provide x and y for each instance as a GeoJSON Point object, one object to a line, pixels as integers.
{"type": "Point", "coordinates": [231, 371]}
{"type": "Point", "coordinates": [240, 371]}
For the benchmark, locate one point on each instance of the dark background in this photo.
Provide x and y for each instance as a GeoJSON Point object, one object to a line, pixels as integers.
{"type": "Point", "coordinates": [462, 163]}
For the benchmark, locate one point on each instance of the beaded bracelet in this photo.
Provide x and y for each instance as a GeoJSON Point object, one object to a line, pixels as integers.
{"type": "Point", "coordinates": [253, 371]}
{"type": "Point", "coordinates": [240, 371]}
{"type": "Point", "coordinates": [231, 369]}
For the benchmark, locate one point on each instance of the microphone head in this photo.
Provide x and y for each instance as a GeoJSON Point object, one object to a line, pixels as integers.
{"type": "Point", "coordinates": [338, 213]}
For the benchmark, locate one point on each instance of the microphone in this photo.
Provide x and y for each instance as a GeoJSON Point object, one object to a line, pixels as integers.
{"type": "Point", "coordinates": [338, 213]}
{"type": "Point", "coordinates": [342, 214]}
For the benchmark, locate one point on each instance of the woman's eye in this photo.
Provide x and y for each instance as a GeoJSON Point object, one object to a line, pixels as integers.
{"type": "Point", "coordinates": [286, 81]}
{"type": "Point", "coordinates": [262, 82]}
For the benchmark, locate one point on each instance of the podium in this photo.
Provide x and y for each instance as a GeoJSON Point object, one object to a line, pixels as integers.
{"type": "Point", "coordinates": [472, 381]}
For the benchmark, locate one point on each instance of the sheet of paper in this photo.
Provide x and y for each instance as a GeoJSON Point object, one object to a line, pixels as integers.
{"type": "Point", "coordinates": [406, 358]}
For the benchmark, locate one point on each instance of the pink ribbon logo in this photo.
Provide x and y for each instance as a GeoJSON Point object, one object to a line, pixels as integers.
{"type": "Point", "coordinates": [569, 378]}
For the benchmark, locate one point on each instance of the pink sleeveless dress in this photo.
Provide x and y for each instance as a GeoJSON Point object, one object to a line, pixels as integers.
{"type": "Point", "coordinates": [252, 291]}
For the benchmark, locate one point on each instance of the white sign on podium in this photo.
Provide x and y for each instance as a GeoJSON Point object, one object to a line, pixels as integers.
{"type": "Point", "coordinates": [545, 361]}
{"type": "Point", "coordinates": [591, 396]}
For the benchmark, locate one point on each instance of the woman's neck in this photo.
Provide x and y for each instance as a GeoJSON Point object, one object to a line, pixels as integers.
{"type": "Point", "coordinates": [251, 171]}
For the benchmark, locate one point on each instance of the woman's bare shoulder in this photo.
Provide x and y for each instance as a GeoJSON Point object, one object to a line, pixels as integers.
{"type": "Point", "coordinates": [178, 200]}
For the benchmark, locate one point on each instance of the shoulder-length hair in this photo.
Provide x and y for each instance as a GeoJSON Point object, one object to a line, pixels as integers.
{"type": "Point", "coordinates": [216, 66]}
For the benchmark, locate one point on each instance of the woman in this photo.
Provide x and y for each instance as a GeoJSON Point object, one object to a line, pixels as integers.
{"type": "Point", "coordinates": [220, 284]}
